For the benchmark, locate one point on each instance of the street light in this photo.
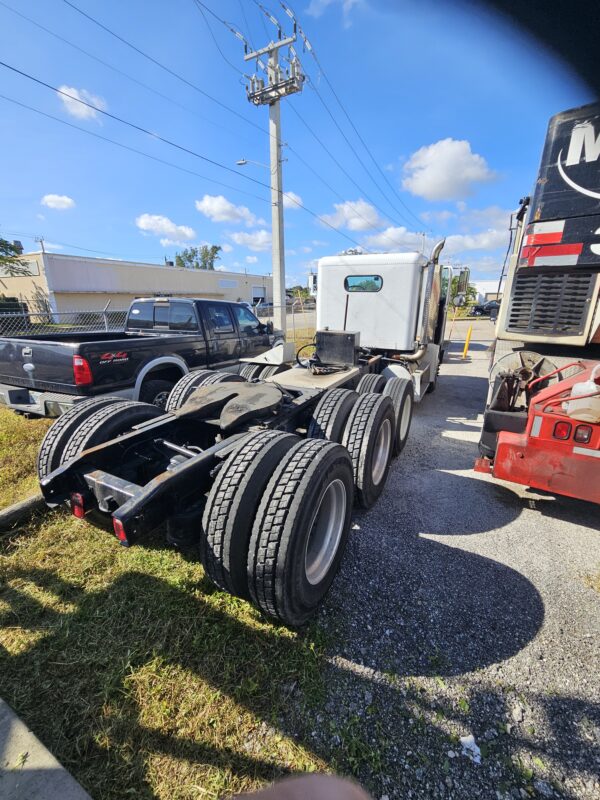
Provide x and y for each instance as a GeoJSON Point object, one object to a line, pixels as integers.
{"type": "Point", "coordinates": [279, 306]}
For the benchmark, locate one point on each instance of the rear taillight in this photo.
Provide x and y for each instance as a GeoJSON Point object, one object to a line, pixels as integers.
{"type": "Point", "coordinates": [82, 372]}
{"type": "Point", "coordinates": [562, 430]}
{"type": "Point", "coordinates": [583, 434]}
{"type": "Point", "coordinates": [78, 508]}
{"type": "Point", "coordinates": [119, 530]}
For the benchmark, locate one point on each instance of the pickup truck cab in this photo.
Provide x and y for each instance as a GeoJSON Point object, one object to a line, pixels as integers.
{"type": "Point", "coordinates": [164, 338]}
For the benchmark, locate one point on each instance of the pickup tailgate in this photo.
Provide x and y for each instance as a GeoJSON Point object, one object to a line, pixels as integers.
{"type": "Point", "coordinates": [42, 365]}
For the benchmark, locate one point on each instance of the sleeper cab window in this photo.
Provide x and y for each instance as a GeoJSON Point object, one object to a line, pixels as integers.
{"type": "Point", "coordinates": [363, 283]}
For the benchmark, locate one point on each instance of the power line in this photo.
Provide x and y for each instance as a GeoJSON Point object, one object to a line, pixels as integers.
{"type": "Point", "coordinates": [76, 247]}
{"type": "Point", "coordinates": [312, 51]}
{"type": "Point", "coordinates": [164, 67]}
{"type": "Point", "coordinates": [164, 97]}
{"type": "Point", "coordinates": [201, 7]}
{"type": "Point", "coordinates": [317, 138]}
{"type": "Point", "coordinates": [134, 149]}
{"type": "Point", "coordinates": [154, 135]}
{"type": "Point", "coordinates": [116, 69]}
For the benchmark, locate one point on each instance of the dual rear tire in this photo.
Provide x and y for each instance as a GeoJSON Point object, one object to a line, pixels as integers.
{"type": "Point", "coordinates": [276, 523]}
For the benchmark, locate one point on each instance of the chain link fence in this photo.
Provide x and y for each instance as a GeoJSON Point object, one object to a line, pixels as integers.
{"type": "Point", "coordinates": [30, 323]}
{"type": "Point", "coordinates": [301, 319]}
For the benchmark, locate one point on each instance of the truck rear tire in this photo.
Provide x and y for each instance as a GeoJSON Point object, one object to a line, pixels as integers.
{"type": "Point", "coordinates": [222, 377]}
{"type": "Point", "coordinates": [368, 437]}
{"type": "Point", "coordinates": [156, 392]}
{"type": "Point", "coordinates": [58, 435]}
{"type": "Point", "coordinates": [300, 531]}
{"type": "Point", "coordinates": [184, 387]}
{"type": "Point", "coordinates": [251, 371]}
{"type": "Point", "coordinates": [401, 392]}
{"type": "Point", "coordinates": [331, 414]}
{"type": "Point", "coordinates": [104, 424]}
{"type": "Point", "coordinates": [108, 423]}
{"type": "Point", "coordinates": [232, 505]}
{"type": "Point", "coordinates": [371, 383]}
{"type": "Point", "coordinates": [274, 369]}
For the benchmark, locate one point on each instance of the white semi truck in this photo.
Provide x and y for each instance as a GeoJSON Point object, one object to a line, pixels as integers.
{"type": "Point", "coordinates": [261, 469]}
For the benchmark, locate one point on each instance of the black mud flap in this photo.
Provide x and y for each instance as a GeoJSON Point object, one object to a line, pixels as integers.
{"type": "Point", "coordinates": [496, 421]}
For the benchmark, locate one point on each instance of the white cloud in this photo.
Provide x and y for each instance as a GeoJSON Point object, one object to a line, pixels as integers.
{"type": "Point", "coordinates": [445, 170]}
{"type": "Point", "coordinates": [41, 216]}
{"type": "Point", "coordinates": [226, 248]}
{"type": "Point", "coordinates": [306, 249]}
{"type": "Point", "coordinates": [52, 246]}
{"type": "Point", "coordinates": [485, 240]}
{"type": "Point", "coordinates": [491, 217]}
{"type": "Point", "coordinates": [395, 238]}
{"type": "Point", "coordinates": [258, 241]}
{"type": "Point", "coordinates": [437, 216]}
{"type": "Point", "coordinates": [77, 109]}
{"type": "Point", "coordinates": [291, 253]}
{"type": "Point", "coordinates": [173, 243]}
{"type": "Point", "coordinates": [221, 269]}
{"type": "Point", "coordinates": [251, 259]}
{"type": "Point", "coordinates": [59, 202]}
{"type": "Point", "coordinates": [219, 209]}
{"type": "Point", "coordinates": [355, 215]}
{"type": "Point", "coordinates": [157, 224]}
{"type": "Point", "coordinates": [317, 7]}
{"type": "Point", "coordinates": [319, 243]}
{"type": "Point", "coordinates": [291, 200]}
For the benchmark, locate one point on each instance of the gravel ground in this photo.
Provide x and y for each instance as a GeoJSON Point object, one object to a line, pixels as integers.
{"type": "Point", "coordinates": [462, 609]}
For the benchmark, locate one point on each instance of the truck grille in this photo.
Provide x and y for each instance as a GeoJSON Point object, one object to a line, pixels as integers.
{"type": "Point", "coordinates": [550, 302]}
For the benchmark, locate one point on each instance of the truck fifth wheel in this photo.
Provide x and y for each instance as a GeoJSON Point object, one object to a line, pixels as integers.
{"type": "Point", "coordinates": [261, 473]}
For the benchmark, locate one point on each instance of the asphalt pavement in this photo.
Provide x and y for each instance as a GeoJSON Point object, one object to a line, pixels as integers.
{"type": "Point", "coordinates": [464, 608]}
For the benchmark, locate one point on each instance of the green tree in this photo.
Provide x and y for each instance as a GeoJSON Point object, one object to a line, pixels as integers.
{"type": "Point", "coordinates": [202, 257]}
{"type": "Point", "coordinates": [11, 265]}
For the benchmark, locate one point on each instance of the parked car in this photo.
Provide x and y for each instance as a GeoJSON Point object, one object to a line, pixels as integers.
{"type": "Point", "coordinates": [164, 338]}
{"type": "Point", "coordinates": [485, 309]}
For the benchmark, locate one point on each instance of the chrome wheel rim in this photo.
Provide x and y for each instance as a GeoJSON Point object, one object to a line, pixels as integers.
{"type": "Point", "coordinates": [381, 455]}
{"type": "Point", "coordinates": [405, 417]}
{"type": "Point", "coordinates": [325, 532]}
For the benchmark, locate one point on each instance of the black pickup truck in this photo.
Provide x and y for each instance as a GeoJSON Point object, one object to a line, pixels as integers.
{"type": "Point", "coordinates": [164, 338]}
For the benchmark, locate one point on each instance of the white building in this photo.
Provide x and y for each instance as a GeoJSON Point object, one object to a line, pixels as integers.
{"type": "Point", "coordinates": [488, 290]}
{"type": "Point", "coordinates": [80, 283]}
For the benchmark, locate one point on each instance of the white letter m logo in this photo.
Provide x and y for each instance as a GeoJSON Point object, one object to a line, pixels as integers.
{"type": "Point", "coordinates": [583, 142]}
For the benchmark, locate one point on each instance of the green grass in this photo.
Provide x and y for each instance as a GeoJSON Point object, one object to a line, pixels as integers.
{"type": "Point", "coordinates": [139, 676]}
{"type": "Point", "coordinates": [19, 442]}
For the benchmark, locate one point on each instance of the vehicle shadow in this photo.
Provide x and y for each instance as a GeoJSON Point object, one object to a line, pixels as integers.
{"type": "Point", "coordinates": [140, 642]}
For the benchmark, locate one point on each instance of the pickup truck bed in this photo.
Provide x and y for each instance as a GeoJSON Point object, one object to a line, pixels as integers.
{"type": "Point", "coordinates": [164, 339]}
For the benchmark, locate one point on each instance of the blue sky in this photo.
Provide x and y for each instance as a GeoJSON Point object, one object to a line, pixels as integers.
{"type": "Point", "coordinates": [452, 103]}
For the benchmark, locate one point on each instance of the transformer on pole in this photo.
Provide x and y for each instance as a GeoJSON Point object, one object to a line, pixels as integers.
{"type": "Point", "coordinates": [279, 83]}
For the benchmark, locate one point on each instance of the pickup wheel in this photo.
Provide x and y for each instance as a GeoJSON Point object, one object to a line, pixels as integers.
{"type": "Point", "coordinates": [371, 383]}
{"type": "Point", "coordinates": [58, 435]}
{"type": "Point", "coordinates": [300, 531]}
{"type": "Point", "coordinates": [368, 437]}
{"type": "Point", "coordinates": [251, 371]}
{"type": "Point", "coordinates": [156, 392]}
{"type": "Point", "coordinates": [401, 392]}
{"type": "Point", "coordinates": [184, 387]}
{"type": "Point", "coordinates": [232, 505]}
{"type": "Point", "coordinates": [331, 414]}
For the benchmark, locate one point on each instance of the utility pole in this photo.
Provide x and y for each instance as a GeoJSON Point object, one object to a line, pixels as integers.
{"type": "Point", "coordinates": [280, 83]}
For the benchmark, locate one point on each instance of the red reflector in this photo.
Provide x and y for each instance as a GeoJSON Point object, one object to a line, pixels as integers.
{"type": "Point", "coordinates": [119, 530]}
{"type": "Point", "coordinates": [583, 434]}
{"type": "Point", "coordinates": [77, 505]}
{"type": "Point", "coordinates": [82, 372]}
{"type": "Point", "coordinates": [562, 430]}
